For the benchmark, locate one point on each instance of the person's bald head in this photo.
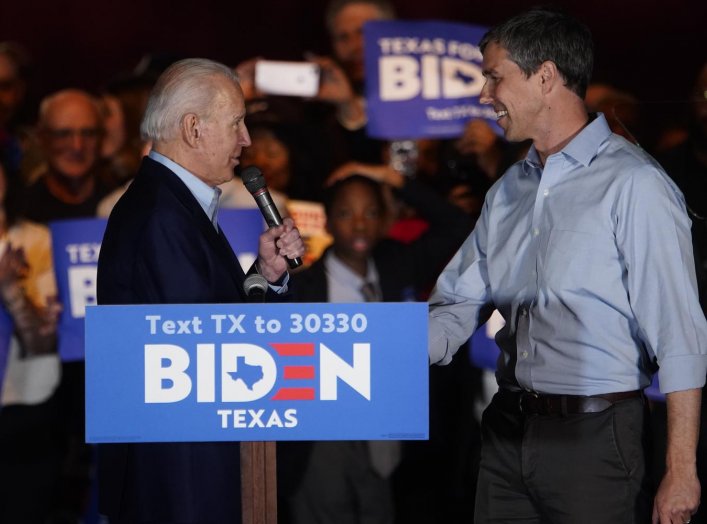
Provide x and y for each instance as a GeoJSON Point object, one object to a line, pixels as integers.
{"type": "Point", "coordinates": [71, 129]}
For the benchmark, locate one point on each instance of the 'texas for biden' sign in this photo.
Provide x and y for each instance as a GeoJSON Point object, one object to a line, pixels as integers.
{"type": "Point", "coordinates": [423, 79]}
{"type": "Point", "coordinates": [256, 372]}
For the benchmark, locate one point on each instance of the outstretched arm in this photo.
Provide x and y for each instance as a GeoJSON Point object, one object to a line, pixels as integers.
{"type": "Point", "coordinates": [679, 492]}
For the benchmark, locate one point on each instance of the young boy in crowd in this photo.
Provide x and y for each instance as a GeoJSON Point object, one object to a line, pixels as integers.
{"type": "Point", "coordinates": [342, 481]}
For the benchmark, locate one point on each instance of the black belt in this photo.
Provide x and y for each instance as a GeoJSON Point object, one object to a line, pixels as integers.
{"type": "Point", "coordinates": [530, 403]}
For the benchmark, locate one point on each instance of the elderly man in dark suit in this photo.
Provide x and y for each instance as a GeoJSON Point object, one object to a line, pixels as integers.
{"type": "Point", "coordinates": [163, 245]}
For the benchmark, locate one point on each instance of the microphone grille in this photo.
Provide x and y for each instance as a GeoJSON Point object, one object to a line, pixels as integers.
{"type": "Point", "coordinates": [255, 282]}
{"type": "Point", "coordinates": [253, 179]}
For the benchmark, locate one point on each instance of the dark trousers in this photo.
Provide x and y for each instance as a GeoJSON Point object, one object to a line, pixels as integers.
{"type": "Point", "coordinates": [577, 468]}
{"type": "Point", "coordinates": [339, 486]}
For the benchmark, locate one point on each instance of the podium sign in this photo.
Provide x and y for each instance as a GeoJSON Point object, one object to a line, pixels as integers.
{"type": "Point", "coordinates": [256, 372]}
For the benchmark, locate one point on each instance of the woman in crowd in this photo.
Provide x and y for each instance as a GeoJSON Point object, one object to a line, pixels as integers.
{"type": "Point", "coordinates": [30, 449]}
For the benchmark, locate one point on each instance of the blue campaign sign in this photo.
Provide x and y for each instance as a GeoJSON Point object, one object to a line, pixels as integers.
{"type": "Point", "coordinates": [76, 245]}
{"type": "Point", "coordinates": [6, 328]}
{"type": "Point", "coordinates": [483, 350]}
{"type": "Point", "coordinates": [242, 228]}
{"type": "Point", "coordinates": [228, 372]}
{"type": "Point", "coordinates": [423, 79]}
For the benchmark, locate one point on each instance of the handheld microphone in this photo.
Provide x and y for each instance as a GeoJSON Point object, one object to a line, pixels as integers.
{"type": "Point", "coordinates": [255, 287]}
{"type": "Point", "coordinates": [254, 182]}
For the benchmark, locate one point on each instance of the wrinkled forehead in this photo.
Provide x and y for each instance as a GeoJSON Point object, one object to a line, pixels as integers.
{"type": "Point", "coordinates": [72, 112]}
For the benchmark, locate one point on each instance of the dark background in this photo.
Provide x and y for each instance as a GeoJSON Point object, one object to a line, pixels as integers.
{"type": "Point", "coordinates": [652, 49]}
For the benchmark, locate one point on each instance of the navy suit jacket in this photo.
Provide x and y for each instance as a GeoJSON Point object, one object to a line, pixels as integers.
{"type": "Point", "coordinates": [160, 248]}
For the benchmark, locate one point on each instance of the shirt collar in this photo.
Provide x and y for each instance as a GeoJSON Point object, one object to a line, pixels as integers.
{"type": "Point", "coordinates": [344, 275]}
{"type": "Point", "coordinates": [585, 146]}
{"type": "Point", "coordinates": [206, 195]}
{"type": "Point", "coordinates": [532, 160]}
{"type": "Point", "coordinates": [582, 148]}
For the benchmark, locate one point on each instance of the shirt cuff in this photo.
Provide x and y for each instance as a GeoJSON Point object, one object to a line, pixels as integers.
{"type": "Point", "coordinates": [280, 286]}
{"type": "Point", "coordinates": [682, 372]}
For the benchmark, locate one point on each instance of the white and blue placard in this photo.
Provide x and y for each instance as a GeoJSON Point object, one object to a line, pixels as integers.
{"type": "Point", "coordinates": [484, 352]}
{"type": "Point", "coordinates": [76, 245]}
{"type": "Point", "coordinates": [220, 372]}
{"type": "Point", "coordinates": [7, 327]}
{"type": "Point", "coordinates": [242, 228]}
{"type": "Point", "coordinates": [423, 79]}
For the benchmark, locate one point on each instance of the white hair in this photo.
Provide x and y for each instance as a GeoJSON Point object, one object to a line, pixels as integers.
{"type": "Point", "coordinates": [183, 88]}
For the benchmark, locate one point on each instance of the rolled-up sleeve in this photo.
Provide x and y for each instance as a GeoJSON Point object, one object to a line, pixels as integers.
{"type": "Point", "coordinates": [653, 233]}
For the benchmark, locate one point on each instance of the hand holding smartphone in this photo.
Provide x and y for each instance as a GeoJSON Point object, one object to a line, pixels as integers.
{"type": "Point", "coordinates": [287, 78]}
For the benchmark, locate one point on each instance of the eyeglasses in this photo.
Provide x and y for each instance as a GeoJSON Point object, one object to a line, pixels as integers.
{"type": "Point", "coordinates": [66, 134]}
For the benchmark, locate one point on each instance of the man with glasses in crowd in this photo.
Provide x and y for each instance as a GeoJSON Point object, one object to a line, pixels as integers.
{"type": "Point", "coordinates": [70, 131]}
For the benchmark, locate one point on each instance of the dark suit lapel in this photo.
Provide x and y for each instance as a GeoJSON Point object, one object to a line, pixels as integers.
{"type": "Point", "coordinates": [238, 274]}
{"type": "Point", "coordinates": [217, 240]}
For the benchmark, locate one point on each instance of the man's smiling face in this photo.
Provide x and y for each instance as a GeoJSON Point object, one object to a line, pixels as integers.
{"type": "Point", "coordinates": [517, 99]}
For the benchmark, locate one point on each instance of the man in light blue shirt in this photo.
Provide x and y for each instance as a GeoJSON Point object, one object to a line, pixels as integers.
{"type": "Point", "coordinates": [584, 247]}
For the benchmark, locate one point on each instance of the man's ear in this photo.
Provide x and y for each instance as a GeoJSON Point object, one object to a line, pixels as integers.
{"type": "Point", "coordinates": [191, 129]}
{"type": "Point", "coordinates": [549, 76]}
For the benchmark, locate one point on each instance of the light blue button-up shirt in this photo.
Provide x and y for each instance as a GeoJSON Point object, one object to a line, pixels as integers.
{"type": "Point", "coordinates": [589, 261]}
{"type": "Point", "coordinates": [207, 196]}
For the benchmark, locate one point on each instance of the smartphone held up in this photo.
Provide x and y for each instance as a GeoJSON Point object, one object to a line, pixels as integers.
{"type": "Point", "coordinates": [287, 78]}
